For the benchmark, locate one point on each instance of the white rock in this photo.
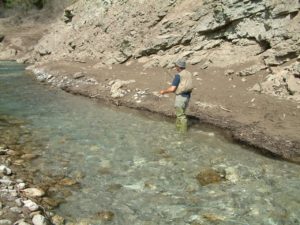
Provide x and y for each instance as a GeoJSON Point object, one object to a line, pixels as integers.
{"type": "Point", "coordinates": [5, 181]}
{"type": "Point", "coordinates": [21, 223]}
{"type": "Point", "coordinates": [21, 186]}
{"type": "Point", "coordinates": [32, 206]}
{"type": "Point", "coordinates": [16, 209]}
{"type": "Point", "coordinates": [33, 192]}
{"type": "Point", "coordinates": [5, 170]}
{"type": "Point", "coordinates": [19, 202]}
{"type": "Point", "coordinates": [231, 174]}
{"type": "Point", "coordinates": [5, 222]}
{"type": "Point", "coordinates": [39, 220]}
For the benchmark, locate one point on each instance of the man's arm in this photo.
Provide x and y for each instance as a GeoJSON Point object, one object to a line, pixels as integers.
{"type": "Point", "coordinates": [171, 89]}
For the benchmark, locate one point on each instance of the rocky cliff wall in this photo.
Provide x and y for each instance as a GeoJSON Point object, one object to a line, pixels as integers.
{"type": "Point", "coordinates": [211, 33]}
{"type": "Point", "coordinates": [160, 30]}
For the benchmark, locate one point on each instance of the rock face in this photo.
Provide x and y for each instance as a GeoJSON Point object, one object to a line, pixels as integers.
{"type": "Point", "coordinates": [115, 31]}
{"type": "Point", "coordinates": [219, 33]}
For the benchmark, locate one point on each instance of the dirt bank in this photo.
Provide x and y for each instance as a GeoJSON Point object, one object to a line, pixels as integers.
{"type": "Point", "coordinates": [262, 121]}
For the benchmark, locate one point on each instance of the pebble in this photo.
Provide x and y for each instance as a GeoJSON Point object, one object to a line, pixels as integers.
{"type": "Point", "coordinates": [5, 222]}
{"type": "Point", "coordinates": [58, 220]}
{"type": "Point", "coordinates": [16, 209]}
{"type": "Point", "coordinates": [19, 202]}
{"type": "Point", "coordinates": [39, 220]}
{"type": "Point", "coordinates": [33, 192]}
{"type": "Point", "coordinates": [21, 186]}
{"type": "Point", "coordinates": [21, 222]}
{"type": "Point", "coordinates": [6, 181]}
{"type": "Point", "coordinates": [3, 151]}
{"type": "Point", "coordinates": [5, 170]}
{"type": "Point", "coordinates": [32, 206]}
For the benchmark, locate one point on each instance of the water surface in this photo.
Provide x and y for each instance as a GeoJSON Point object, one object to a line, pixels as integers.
{"type": "Point", "coordinates": [140, 169]}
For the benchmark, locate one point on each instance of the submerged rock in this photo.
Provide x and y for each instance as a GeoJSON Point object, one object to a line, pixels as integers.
{"type": "Point", "coordinates": [58, 220]}
{"type": "Point", "coordinates": [209, 176]}
{"type": "Point", "coordinates": [106, 215]}
{"type": "Point", "coordinates": [67, 182]}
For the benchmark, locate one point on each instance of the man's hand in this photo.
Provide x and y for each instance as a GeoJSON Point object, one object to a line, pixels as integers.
{"type": "Point", "coordinates": [162, 92]}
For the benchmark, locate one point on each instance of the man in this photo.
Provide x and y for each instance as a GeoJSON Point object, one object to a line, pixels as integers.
{"type": "Point", "coordinates": [182, 86]}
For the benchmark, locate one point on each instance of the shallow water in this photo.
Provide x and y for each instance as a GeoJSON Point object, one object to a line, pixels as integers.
{"type": "Point", "coordinates": [138, 168]}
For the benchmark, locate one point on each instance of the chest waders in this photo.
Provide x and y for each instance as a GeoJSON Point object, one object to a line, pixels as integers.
{"type": "Point", "coordinates": [181, 104]}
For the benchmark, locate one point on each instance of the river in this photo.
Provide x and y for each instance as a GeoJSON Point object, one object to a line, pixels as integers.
{"type": "Point", "coordinates": [138, 169]}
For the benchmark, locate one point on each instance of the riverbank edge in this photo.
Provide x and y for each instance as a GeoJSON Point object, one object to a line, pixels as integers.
{"type": "Point", "coordinates": [249, 135]}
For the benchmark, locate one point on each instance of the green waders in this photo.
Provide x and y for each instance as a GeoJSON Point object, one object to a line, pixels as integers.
{"type": "Point", "coordinates": [181, 119]}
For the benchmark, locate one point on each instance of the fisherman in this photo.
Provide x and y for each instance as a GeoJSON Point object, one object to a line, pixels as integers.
{"type": "Point", "coordinates": [182, 86]}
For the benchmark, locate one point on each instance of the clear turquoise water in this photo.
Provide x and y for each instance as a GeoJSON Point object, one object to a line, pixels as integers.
{"type": "Point", "coordinates": [154, 167]}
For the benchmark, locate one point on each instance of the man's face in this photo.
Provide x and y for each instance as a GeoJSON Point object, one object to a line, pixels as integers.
{"type": "Point", "coordinates": [177, 68]}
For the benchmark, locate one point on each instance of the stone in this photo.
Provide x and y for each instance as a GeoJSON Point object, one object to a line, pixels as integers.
{"type": "Point", "coordinates": [229, 72]}
{"type": "Point", "coordinates": [212, 217]}
{"type": "Point", "coordinates": [19, 202]}
{"type": "Point", "coordinates": [32, 206]}
{"type": "Point", "coordinates": [251, 70]}
{"type": "Point", "coordinates": [58, 220]}
{"type": "Point", "coordinates": [293, 85]}
{"type": "Point", "coordinates": [16, 210]}
{"type": "Point", "coordinates": [6, 181]}
{"type": "Point", "coordinates": [5, 170]}
{"type": "Point", "coordinates": [33, 192]}
{"type": "Point", "coordinates": [231, 174]}
{"type": "Point", "coordinates": [52, 203]}
{"type": "Point", "coordinates": [116, 87]}
{"type": "Point", "coordinates": [78, 75]}
{"type": "Point", "coordinates": [21, 186]}
{"type": "Point", "coordinates": [1, 37]}
{"type": "Point", "coordinates": [209, 176]}
{"type": "Point", "coordinates": [29, 156]}
{"type": "Point", "coordinates": [105, 215]}
{"type": "Point", "coordinates": [39, 220]}
{"type": "Point", "coordinates": [256, 87]}
{"type": "Point", "coordinates": [3, 151]}
{"type": "Point", "coordinates": [5, 222]}
{"type": "Point", "coordinates": [67, 182]}
{"type": "Point", "coordinates": [21, 223]}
